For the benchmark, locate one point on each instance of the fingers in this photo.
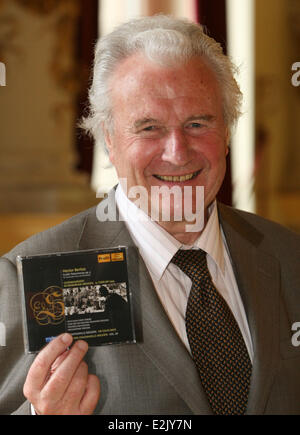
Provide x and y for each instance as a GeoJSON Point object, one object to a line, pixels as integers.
{"type": "Point", "coordinates": [58, 381]}
{"type": "Point", "coordinates": [91, 396]}
{"type": "Point", "coordinates": [39, 371]}
{"type": "Point", "coordinates": [76, 389]}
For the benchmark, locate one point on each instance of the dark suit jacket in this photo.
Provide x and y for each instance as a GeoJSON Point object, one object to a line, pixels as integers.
{"type": "Point", "coordinates": [157, 375]}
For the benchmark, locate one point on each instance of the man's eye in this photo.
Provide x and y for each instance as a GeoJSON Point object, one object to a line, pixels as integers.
{"type": "Point", "coordinates": [195, 125]}
{"type": "Point", "coordinates": [150, 128]}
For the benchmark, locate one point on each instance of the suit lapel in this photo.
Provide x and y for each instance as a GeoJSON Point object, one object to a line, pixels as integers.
{"type": "Point", "coordinates": [156, 337]}
{"type": "Point", "coordinates": [258, 278]}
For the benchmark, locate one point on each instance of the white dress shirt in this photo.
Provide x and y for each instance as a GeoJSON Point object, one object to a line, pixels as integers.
{"type": "Point", "coordinates": [157, 248]}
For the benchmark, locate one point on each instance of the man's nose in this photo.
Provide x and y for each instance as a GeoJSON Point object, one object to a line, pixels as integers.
{"type": "Point", "coordinates": [176, 149]}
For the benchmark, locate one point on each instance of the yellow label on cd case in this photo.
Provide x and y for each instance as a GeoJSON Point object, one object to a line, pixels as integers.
{"type": "Point", "coordinates": [104, 258]}
{"type": "Point", "coordinates": [118, 256]}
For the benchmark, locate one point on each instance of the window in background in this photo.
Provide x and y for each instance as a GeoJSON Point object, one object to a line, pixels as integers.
{"type": "Point", "coordinates": [240, 30]}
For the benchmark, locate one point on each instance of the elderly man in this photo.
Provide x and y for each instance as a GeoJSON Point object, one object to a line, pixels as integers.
{"type": "Point", "coordinates": [214, 307]}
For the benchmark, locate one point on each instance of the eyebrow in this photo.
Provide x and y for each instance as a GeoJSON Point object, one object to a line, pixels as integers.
{"type": "Point", "coordinates": [144, 121]}
{"type": "Point", "coordinates": [201, 117]}
{"type": "Point", "coordinates": [141, 122]}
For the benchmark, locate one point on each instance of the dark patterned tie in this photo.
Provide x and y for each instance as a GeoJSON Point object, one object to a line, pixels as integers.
{"type": "Point", "coordinates": [216, 342]}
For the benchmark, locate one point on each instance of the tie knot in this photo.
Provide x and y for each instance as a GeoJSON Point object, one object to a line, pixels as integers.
{"type": "Point", "coordinates": [190, 261]}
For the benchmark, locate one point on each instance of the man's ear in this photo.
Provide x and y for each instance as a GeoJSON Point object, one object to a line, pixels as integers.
{"type": "Point", "coordinates": [227, 140]}
{"type": "Point", "coordinates": [109, 143]}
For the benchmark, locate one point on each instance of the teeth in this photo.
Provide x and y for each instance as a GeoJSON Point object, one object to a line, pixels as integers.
{"type": "Point", "coordinates": [180, 178]}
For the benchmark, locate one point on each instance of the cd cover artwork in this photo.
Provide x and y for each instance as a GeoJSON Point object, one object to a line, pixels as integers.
{"type": "Point", "coordinates": [84, 293]}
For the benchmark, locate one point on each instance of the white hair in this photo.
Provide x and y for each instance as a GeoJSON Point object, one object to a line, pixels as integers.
{"type": "Point", "coordinates": [166, 41]}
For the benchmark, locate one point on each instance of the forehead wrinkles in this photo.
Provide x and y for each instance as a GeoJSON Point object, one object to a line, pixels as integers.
{"type": "Point", "coordinates": [133, 76]}
{"type": "Point", "coordinates": [170, 92]}
{"type": "Point", "coordinates": [146, 87]}
{"type": "Point", "coordinates": [148, 94]}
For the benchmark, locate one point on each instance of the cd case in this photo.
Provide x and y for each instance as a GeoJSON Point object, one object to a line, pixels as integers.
{"type": "Point", "coordinates": [84, 293]}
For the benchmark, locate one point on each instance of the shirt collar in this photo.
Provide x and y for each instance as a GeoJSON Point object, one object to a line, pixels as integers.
{"type": "Point", "coordinates": [157, 247]}
{"type": "Point", "coordinates": [210, 240]}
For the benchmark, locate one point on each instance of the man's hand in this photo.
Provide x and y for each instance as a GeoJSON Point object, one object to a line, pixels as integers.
{"type": "Point", "coordinates": [58, 381]}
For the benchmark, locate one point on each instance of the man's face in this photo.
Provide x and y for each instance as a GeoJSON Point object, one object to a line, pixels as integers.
{"type": "Point", "coordinates": [168, 126]}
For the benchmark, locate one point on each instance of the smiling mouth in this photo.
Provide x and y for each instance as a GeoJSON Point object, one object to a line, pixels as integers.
{"type": "Point", "coordinates": [178, 178]}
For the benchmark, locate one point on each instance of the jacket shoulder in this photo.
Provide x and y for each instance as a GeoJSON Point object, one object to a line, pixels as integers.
{"type": "Point", "coordinates": [266, 229]}
{"type": "Point", "coordinates": [267, 236]}
{"type": "Point", "coordinates": [62, 237]}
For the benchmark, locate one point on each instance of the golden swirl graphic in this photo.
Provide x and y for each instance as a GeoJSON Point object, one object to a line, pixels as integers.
{"type": "Point", "coordinates": [48, 306]}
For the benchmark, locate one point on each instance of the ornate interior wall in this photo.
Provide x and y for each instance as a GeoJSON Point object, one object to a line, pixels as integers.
{"type": "Point", "coordinates": [38, 108]}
